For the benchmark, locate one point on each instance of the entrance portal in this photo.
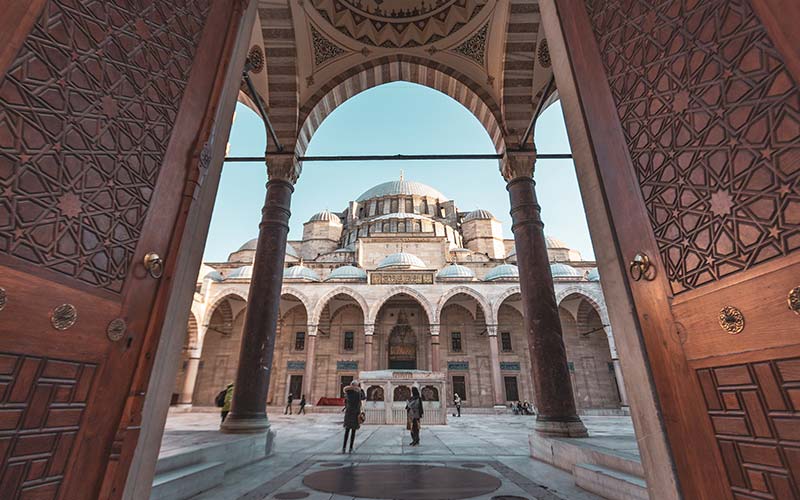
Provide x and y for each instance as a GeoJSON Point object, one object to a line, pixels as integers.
{"type": "Point", "coordinates": [402, 346]}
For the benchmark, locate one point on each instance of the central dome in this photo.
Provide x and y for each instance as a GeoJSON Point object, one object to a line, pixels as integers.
{"type": "Point", "coordinates": [401, 260]}
{"type": "Point", "coordinates": [401, 187]}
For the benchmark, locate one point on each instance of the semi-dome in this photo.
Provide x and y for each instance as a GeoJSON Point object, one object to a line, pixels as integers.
{"type": "Point", "coordinates": [479, 214]}
{"type": "Point", "coordinates": [553, 242]}
{"type": "Point", "coordinates": [241, 273]}
{"type": "Point", "coordinates": [564, 271]}
{"type": "Point", "coordinates": [347, 273]}
{"type": "Point", "coordinates": [503, 272]}
{"type": "Point", "coordinates": [301, 273]}
{"type": "Point", "coordinates": [455, 272]}
{"type": "Point", "coordinates": [325, 216]}
{"type": "Point", "coordinates": [208, 273]}
{"type": "Point", "coordinates": [401, 260]}
{"type": "Point", "coordinates": [593, 274]}
{"type": "Point", "coordinates": [401, 187]}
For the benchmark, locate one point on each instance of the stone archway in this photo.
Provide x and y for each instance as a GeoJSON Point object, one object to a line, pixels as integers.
{"type": "Point", "coordinates": [402, 341]}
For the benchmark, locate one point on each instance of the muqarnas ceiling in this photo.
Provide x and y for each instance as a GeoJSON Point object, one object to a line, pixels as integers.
{"type": "Point", "coordinates": [398, 23]}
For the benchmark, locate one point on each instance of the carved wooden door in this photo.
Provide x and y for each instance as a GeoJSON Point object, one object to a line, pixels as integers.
{"type": "Point", "coordinates": [103, 118]}
{"type": "Point", "coordinates": [693, 116]}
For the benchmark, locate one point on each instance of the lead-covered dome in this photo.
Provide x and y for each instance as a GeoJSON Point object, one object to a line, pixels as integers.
{"type": "Point", "coordinates": [564, 271]}
{"type": "Point", "coordinates": [479, 214]}
{"type": "Point", "coordinates": [241, 273]}
{"type": "Point", "coordinates": [325, 216]}
{"type": "Point", "coordinates": [347, 273]}
{"type": "Point", "coordinates": [455, 272]}
{"type": "Point", "coordinates": [208, 273]}
{"type": "Point", "coordinates": [249, 245]}
{"type": "Point", "coordinates": [503, 272]}
{"type": "Point", "coordinates": [593, 274]}
{"type": "Point", "coordinates": [300, 273]}
{"type": "Point", "coordinates": [401, 187]}
{"type": "Point", "coordinates": [401, 260]}
{"type": "Point", "coordinates": [553, 242]}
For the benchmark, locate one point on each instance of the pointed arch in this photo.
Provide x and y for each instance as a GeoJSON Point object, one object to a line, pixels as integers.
{"type": "Point", "coordinates": [399, 290]}
{"type": "Point", "coordinates": [319, 307]}
{"type": "Point", "coordinates": [221, 296]}
{"type": "Point", "coordinates": [480, 299]}
{"type": "Point", "coordinates": [498, 301]}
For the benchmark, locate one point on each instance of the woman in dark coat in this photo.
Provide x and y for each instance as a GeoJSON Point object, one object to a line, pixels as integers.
{"type": "Point", "coordinates": [415, 412]}
{"type": "Point", "coordinates": [353, 395]}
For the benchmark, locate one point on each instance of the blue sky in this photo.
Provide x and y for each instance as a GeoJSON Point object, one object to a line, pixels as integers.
{"type": "Point", "coordinates": [395, 118]}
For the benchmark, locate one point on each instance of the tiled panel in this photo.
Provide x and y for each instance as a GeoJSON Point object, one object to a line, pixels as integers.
{"type": "Point", "coordinates": [42, 402]}
{"type": "Point", "coordinates": [757, 425]}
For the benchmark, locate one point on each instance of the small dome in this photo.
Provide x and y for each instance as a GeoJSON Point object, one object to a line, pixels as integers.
{"type": "Point", "coordinates": [554, 242]}
{"type": "Point", "coordinates": [564, 271]}
{"type": "Point", "coordinates": [249, 245]}
{"type": "Point", "coordinates": [241, 273]}
{"type": "Point", "coordinates": [325, 216]}
{"type": "Point", "coordinates": [301, 273]}
{"type": "Point", "coordinates": [593, 274]}
{"type": "Point", "coordinates": [347, 273]}
{"type": "Point", "coordinates": [401, 260]}
{"type": "Point", "coordinates": [456, 272]}
{"type": "Point", "coordinates": [402, 187]}
{"type": "Point", "coordinates": [503, 272]}
{"type": "Point", "coordinates": [208, 273]}
{"type": "Point", "coordinates": [479, 214]}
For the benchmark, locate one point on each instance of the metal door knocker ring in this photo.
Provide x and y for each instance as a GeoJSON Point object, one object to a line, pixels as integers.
{"type": "Point", "coordinates": [154, 265]}
{"type": "Point", "coordinates": [642, 267]}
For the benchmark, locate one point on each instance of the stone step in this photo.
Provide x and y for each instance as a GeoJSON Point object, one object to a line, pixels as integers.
{"type": "Point", "coordinates": [185, 482]}
{"type": "Point", "coordinates": [609, 483]}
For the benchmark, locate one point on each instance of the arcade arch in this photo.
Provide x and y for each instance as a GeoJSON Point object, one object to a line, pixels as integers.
{"type": "Point", "coordinates": [513, 344]}
{"type": "Point", "coordinates": [292, 339]}
{"type": "Point", "coordinates": [402, 331]}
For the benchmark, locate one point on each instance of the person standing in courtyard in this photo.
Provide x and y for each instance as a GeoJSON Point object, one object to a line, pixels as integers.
{"type": "Point", "coordinates": [289, 400]}
{"type": "Point", "coordinates": [457, 402]}
{"type": "Point", "coordinates": [415, 412]}
{"type": "Point", "coordinates": [353, 395]}
{"type": "Point", "coordinates": [226, 396]}
{"type": "Point", "coordinates": [302, 405]}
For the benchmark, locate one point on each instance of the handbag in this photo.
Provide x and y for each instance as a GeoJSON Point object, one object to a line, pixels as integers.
{"type": "Point", "coordinates": [362, 417]}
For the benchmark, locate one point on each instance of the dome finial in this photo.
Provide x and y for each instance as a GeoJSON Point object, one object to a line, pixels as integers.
{"type": "Point", "coordinates": [401, 174]}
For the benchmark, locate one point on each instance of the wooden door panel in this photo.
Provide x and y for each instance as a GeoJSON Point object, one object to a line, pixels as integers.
{"type": "Point", "coordinates": [101, 110]}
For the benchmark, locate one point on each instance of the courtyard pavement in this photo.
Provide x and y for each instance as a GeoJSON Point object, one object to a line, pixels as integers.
{"type": "Point", "coordinates": [304, 444]}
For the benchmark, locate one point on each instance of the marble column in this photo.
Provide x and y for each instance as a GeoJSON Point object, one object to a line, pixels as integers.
{"type": "Point", "coordinates": [189, 379]}
{"type": "Point", "coordinates": [369, 332]}
{"type": "Point", "coordinates": [623, 394]}
{"type": "Point", "coordinates": [494, 359]}
{"type": "Point", "coordinates": [436, 350]}
{"type": "Point", "coordinates": [311, 353]}
{"type": "Point", "coordinates": [557, 414]}
{"type": "Point", "coordinates": [249, 408]}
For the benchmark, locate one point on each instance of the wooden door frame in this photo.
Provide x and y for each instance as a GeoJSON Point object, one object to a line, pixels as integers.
{"type": "Point", "coordinates": [187, 261]}
{"type": "Point", "coordinates": [589, 147]}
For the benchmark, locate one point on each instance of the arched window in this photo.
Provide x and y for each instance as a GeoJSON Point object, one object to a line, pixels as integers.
{"type": "Point", "coordinates": [386, 227]}
{"type": "Point", "coordinates": [394, 205]}
{"type": "Point", "coordinates": [410, 205]}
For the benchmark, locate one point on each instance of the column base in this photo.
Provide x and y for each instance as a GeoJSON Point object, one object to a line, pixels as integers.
{"type": "Point", "coordinates": [500, 406]}
{"type": "Point", "coordinates": [244, 425]}
{"type": "Point", "coordinates": [561, 428]}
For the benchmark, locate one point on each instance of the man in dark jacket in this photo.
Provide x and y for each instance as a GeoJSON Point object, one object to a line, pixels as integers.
{"type": "Point", "coordinates": [415, 413]}
{"type": "Point", "coordinates": [289, 400]}
{"type": "Point", "coordinates": [302, 405]}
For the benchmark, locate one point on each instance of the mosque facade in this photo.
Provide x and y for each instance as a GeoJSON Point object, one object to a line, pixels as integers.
{"type": "Point", "coordinates": [401, 279]}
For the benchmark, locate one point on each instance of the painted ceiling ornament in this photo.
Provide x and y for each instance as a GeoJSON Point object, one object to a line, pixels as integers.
{"type": "Point", "coordinates": [475, 46]}
{"type": "Point", "coordinates": [324, 49]}
{"type": "Point", "coordinates": [256, 58]}
{"type": "Point", "coordinates": [544, 55]}
{"type": "Point", "coordinates": [398, 23]}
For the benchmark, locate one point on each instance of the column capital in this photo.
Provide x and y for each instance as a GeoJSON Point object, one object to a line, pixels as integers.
{"type": "Point", "coordinates": [518, 164]}
{"type": "Point", "coordinates": [283, 167]}
{"type": "Point", "coordinates": [491, 330]}
{"type": "Point", "coordinates": [369, 329]}
{"type": "Point", "coordinates": [435, 329]}
{"type": "Point", "coordinates": [312, 330]}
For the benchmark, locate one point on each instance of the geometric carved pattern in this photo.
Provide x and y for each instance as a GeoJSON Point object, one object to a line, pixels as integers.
{"type": "Point", "coordinates": [41, 406]}
{"type": "Point", "coordinates": [755, 411]}
{"type": "Point", "coordinates": [475, 46]}
{"type": "Point", "coordinates": [324, 49]}
{"type": "Point", "coordinates": [86, 112]}
{"type": "Point", "coordinates": [711, 118]}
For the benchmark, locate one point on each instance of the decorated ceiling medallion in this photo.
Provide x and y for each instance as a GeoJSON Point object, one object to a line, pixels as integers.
{"type": "Point", "coordinates": [731, 320]}
{"type": "Point", "coordinates": [63, 316]}
{"type": "Point", "coordinates": [475, 46]}
{"type": "Point", "coordinates": [544, 55]}
{"type": "Point", "coordinates": [116, 329]}
{"type": "Point", "coordinates": [324, 49]}
{"type": "Point", "coordinates": [256, 58]}
{"type": "Point", "coordinates": [398, 23]}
